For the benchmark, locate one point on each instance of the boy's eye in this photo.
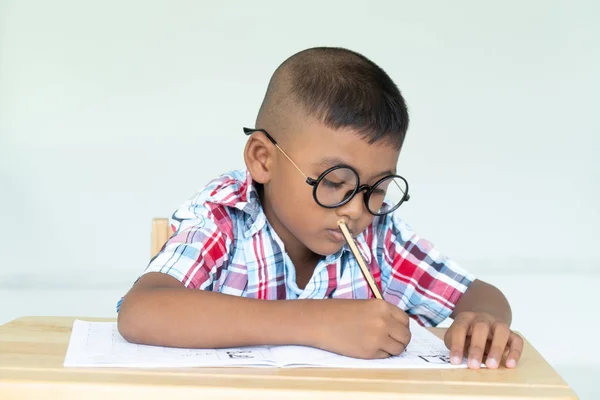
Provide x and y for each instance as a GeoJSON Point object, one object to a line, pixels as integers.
{"type": "Point", "coordinates": [331, 184]}
{"type": "Point", "coordinates": [378, 192]}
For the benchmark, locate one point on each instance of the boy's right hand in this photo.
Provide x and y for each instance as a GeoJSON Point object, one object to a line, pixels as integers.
{"type": "Point", "coordinates": [362, 328]}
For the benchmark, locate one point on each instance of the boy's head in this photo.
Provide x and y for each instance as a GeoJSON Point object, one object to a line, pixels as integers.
{"type": "Point", "coordinates": [325, 107]}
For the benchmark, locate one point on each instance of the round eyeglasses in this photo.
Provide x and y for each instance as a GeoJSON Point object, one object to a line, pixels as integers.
{"type": "Point", "coordinates": [338, 185]}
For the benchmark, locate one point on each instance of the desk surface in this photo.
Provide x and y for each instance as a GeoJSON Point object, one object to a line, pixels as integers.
{"type": "Point", "coordinates": [32, 351]}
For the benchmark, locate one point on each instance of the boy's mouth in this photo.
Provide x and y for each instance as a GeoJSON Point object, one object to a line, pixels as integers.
{"type": "Point", "coordinates": [336, 235]}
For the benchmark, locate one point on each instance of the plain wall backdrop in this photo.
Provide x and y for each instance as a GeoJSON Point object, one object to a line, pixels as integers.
{"type": "Point", "coordinates": [115, 112]}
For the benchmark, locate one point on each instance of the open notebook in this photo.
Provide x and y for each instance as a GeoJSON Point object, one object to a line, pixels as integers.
{"type": "Point", "coordinates": [99, 344]}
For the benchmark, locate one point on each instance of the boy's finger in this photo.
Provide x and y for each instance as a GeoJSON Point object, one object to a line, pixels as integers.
{"type": "Point", "coordinates": [455, 341]}
{"type": "Point", "coordinates": [399, 315]}
{"type": "Point", "coordinates": [515, 343]}
{"type": "Point", "coordinates": [479, 337]}
{"type": "Point", "coordinates": [400, 334]}
{"type": "Point", "coordinates": [381, 354]}
{"type": "Point", "coordinates": [501, 333]}
{"type": "Point", "coordinates": [393, 347]}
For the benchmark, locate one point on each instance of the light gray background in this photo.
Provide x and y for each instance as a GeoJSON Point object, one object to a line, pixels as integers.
{"type": "Point", "coordinates": [115, 112]}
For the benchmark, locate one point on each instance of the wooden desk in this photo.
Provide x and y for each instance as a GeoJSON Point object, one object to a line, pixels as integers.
{"type": "Point", "coordinates": [32, 351]}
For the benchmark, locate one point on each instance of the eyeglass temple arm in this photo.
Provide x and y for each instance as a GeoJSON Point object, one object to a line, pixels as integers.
{"type": "Point", "coordinates": [405, 193]}
{"type": "Point", "coordinates": [249, 131]}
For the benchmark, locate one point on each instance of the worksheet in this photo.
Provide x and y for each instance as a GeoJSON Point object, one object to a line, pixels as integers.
{"type": "Point", "coordinates": [99, 344]}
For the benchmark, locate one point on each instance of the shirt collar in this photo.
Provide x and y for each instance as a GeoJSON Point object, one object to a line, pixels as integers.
{"type": "Point", "coordinates": [241, 193]}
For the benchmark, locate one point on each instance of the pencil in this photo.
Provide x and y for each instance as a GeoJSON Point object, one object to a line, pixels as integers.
{"type": "Point", "coordinates": [361, 262]}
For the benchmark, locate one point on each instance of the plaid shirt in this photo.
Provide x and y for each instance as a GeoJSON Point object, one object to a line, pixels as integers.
{"type": "Point", "coordinates": [224, 243]}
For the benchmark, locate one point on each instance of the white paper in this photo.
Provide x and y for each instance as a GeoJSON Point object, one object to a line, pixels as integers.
{"type": "Point", "coordinates": [99, 344]}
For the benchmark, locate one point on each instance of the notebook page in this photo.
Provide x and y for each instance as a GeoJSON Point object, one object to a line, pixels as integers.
{"type": "Point", "coordinates": [424, 351]}
{"type": "Point", "coordinates": [99, 344]}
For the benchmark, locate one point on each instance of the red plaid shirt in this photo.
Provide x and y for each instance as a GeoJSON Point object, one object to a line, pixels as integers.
{"type": "Point", "coordinates": [223, 243]}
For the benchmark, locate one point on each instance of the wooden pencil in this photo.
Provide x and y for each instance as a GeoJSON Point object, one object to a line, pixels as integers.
{"type": "Point", "coordinates": [361, 262]}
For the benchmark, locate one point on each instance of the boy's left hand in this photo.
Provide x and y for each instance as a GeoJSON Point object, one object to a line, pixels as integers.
{"type": "Point", "coordinates": [480, 334]}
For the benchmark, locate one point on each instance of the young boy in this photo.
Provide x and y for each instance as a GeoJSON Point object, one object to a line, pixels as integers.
{"type": "Point", "coordinates": [327, 140]}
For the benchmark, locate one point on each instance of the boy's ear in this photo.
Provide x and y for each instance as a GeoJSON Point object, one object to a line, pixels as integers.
{"type": "Point", "coordinates": [258, 155]}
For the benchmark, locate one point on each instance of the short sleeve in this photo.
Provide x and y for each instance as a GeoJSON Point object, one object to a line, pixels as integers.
{"type": "Point", "coordinates": [198, 248]}
{"type": "Point", "coordinates": [417, 277]}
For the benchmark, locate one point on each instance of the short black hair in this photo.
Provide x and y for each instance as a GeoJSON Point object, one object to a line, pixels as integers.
{"type": "Point", "coordinates": [343, 88]}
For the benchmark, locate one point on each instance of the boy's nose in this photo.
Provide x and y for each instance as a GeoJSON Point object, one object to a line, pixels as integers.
{"type": "Point", "coordinates": [354, 208]}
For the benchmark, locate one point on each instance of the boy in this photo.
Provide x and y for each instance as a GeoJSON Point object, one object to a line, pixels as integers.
{"type": "Point", "coordinates": [328, 138]}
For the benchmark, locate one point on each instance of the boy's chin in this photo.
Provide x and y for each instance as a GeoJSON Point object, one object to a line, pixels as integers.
{"type": "Point", "coordinates": [326, 248]}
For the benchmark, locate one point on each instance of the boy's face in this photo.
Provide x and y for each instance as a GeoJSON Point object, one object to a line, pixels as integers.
{"type": "Point", "coordinates": [289, 204]}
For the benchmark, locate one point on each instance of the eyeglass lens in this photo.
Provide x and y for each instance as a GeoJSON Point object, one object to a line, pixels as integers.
{"type": "Point", "coordinates": [339, 184]}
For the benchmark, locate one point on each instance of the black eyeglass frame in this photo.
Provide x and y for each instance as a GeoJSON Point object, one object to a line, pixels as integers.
{"type": "Point", "coordinates": [358, 188]}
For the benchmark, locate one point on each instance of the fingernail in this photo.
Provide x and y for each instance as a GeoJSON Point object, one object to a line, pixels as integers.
{"type": "Point", "coordinates": [456, 358]}
{"type": "Point", "coordinates": [473, 363]}
{"type": "Point", "coordinates": [491, 363]}
{"type": "Point", "coordinates": [511, 363]}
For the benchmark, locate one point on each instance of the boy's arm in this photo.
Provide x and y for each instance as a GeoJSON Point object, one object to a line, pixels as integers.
{"type": "Point", "coordinates": [159, 310]}
{"type": "Point", "coordinates": [482, 319]}
{"type": "Point", "coordinates": [482, 297]}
